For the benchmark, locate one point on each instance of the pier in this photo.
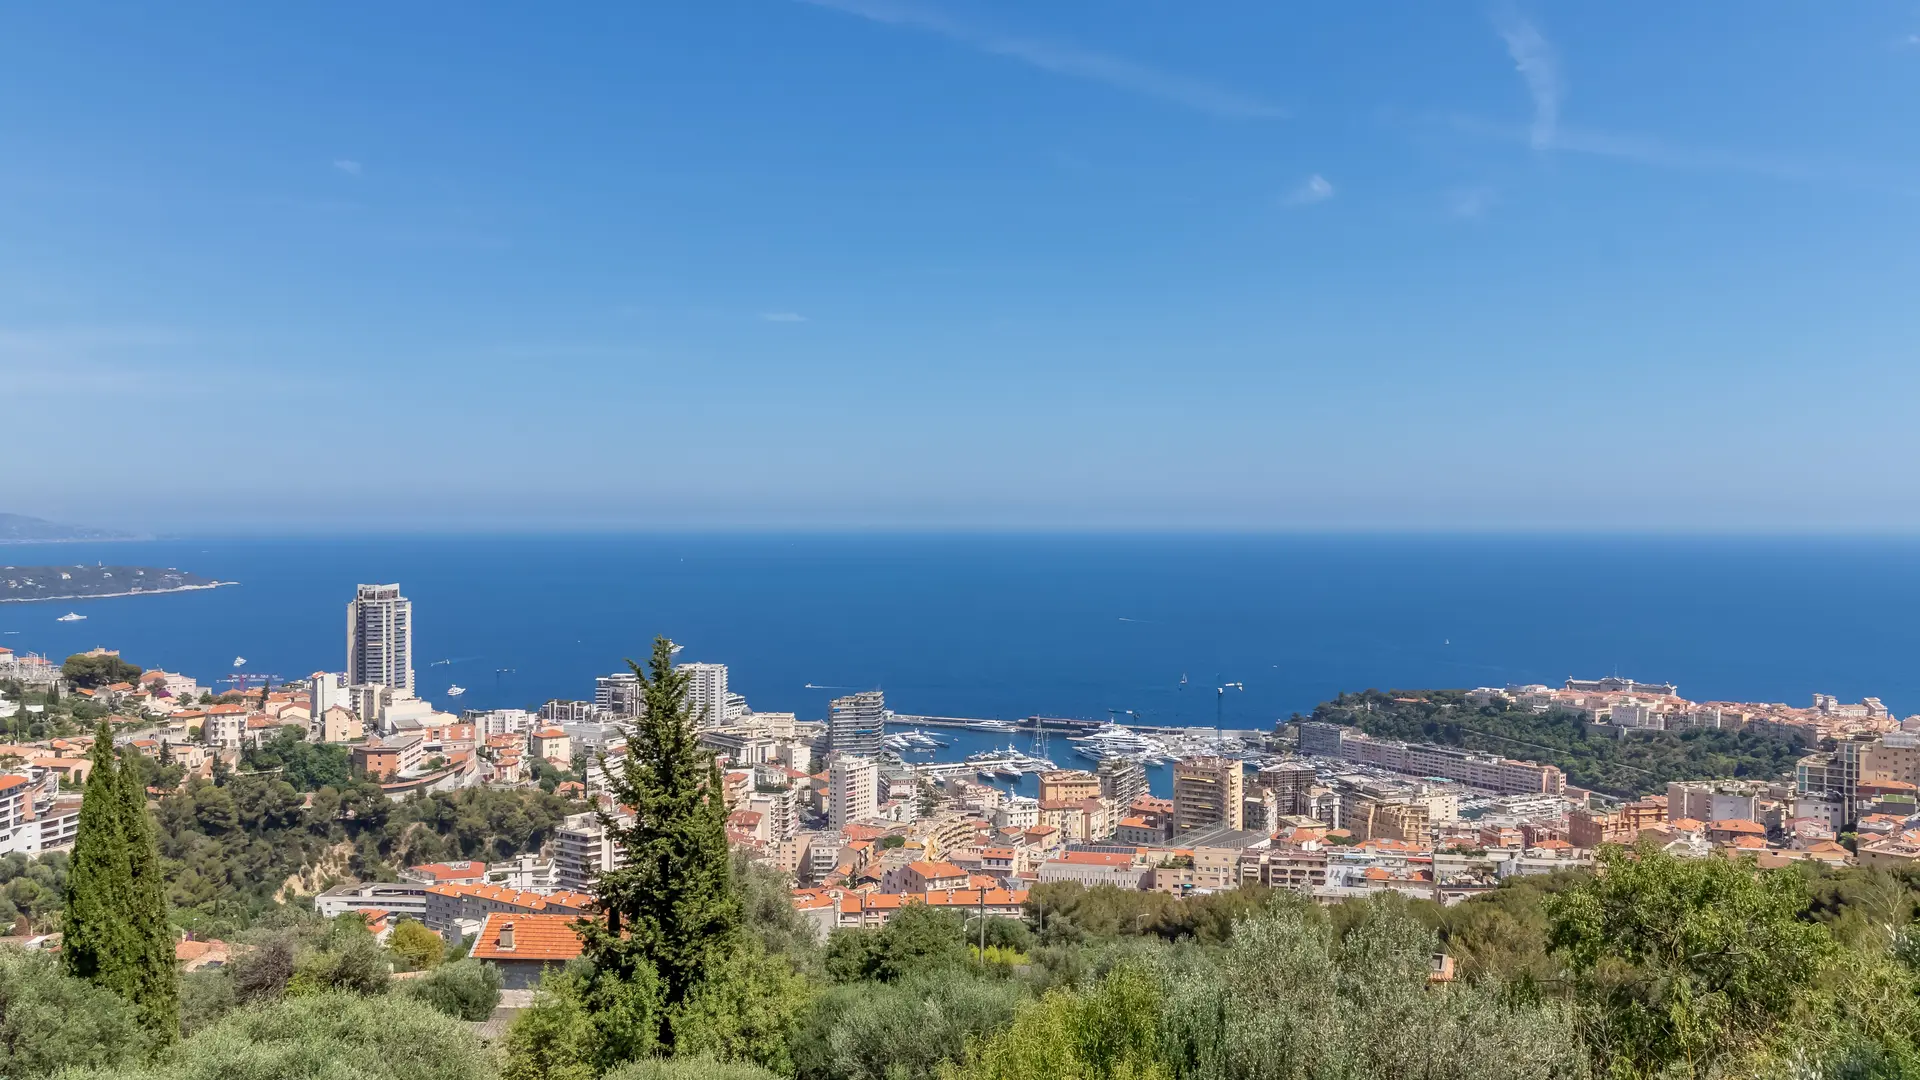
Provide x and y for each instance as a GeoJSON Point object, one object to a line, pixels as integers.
{"type": "Point", "coordinates": [1032, 724]}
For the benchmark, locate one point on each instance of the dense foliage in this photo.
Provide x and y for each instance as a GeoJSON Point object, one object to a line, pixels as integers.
{"type": "Point", "coordinates": [304, 765]}
{"type": "Point", "coordinates": [89, 672]}
{"type": "Point", "coordinates": [115, 932]}
{"type": "Point", "coordinates": [233, 850]}
{"type": "Point", "coordinates": [1619, 764]}
{"type": "Point", "coordinates": [667, 922]}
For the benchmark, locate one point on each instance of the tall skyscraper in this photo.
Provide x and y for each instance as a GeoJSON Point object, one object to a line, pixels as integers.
{"type": "Point", "coordinates": [853, 790]}
{"type": "Point", "coordinates": [380, 638]}
{"type": "Point", "coordinates": [857, 724]}
{"type": "Point", "coordinates": [707, 693]}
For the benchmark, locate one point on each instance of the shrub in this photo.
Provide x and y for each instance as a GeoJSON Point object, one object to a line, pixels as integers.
{"type": "Point", "coordinates": [464, 989]}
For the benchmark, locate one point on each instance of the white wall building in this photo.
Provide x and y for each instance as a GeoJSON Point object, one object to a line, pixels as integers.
{"type": "Point", "coordinates": [380, 638]}
{"type": "Point", "coordinates": [707, 693]}
{"type": "Point", "coordinates": [853, 791]}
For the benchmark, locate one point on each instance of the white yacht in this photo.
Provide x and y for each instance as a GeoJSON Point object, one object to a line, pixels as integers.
{"type": "Point", "coordinates": [456, 691]}
{"type": "Point", "coordinates": [992, 725]}
{"type": "Point", "coordinates": [71, 616]}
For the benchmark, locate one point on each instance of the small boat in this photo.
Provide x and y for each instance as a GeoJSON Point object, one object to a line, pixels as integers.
{"type": "Point", "coordinates": [71, 616]}
{"type": "Point", "coordinates": [456, 691]}
{"type": "Point", "coordinates": [239, 661]}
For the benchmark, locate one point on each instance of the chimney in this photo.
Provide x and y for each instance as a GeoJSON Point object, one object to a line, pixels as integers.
{"type": "Point", "coordinates": [506, 937]}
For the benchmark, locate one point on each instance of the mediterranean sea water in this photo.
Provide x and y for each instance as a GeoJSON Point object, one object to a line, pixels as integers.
{"type": "Point", "coordinates": [1013, 625]}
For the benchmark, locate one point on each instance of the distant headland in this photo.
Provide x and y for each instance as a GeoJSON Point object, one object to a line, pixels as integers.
{"type": "Point", "coordinates": [21, 529]}
{"type": "Point", "coordinates": [25, 583]}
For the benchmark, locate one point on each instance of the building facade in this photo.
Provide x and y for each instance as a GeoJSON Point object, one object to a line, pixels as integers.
{"type": "Point", "coordinates": [853, 791]}
{"type": "Point", "coordinates": [380, 638]}
{"type": "Point", "coordinates": [1208, 791]}
{"type": "Point", "coordinates": [856, 724]}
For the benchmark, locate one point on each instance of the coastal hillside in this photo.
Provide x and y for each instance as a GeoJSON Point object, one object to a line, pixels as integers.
{"type": "Point", "coordinates": [1591, 758]}
{"type": "Point", "coordinates": [21, 529]}
{"type": "Point", "coordinates": [82, 582]}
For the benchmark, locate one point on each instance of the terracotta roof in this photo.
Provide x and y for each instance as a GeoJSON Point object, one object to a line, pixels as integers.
{"type": "Point", "coordinates": [550, 733]}
{"type": "Point", "coordinates": [536, 938]}
{"type": "Point", "coordinates": [1739, 825]}
{"type": "Point", "coordinates": [1686, 824]}
{"type": "Point", "coordinates": [447, 871]}
{"type": "Point", "coordinates": [936, 869]}
{"type": "Point", "coordinates": [1096, 858]}
{"type": "Point", "coordinates": [7, 782]}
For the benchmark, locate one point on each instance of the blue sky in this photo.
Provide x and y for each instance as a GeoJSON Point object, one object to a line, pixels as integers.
{"type": "Point", "coordinates": [946, 263]}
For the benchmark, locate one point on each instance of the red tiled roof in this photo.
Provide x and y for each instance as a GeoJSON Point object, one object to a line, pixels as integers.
{"type": "Point", "coordinates": [931, 870]}
{"type": "Point", "coordinates": [537, 938]}
{"type": "Point", "coordinates": [449, 871]}
{"type": "Point", "coordinates": [1739, 825]}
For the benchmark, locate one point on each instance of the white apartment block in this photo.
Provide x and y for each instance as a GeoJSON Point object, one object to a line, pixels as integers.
{"type": "Point", "coordinates": [853, 791]}
{"type": "Point", "coordinates": [706, 693]}
{"type": "Point", "coordinates": [380, 638]}
{"type": "Point", "coordinates": [582, 850]}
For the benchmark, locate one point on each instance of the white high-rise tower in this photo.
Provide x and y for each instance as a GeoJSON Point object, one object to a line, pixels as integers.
{"type": "Point", "coordinates": [707, 693]}
{"type": "Point", "coordinates": [380, 638]}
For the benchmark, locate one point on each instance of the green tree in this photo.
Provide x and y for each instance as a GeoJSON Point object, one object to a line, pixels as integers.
{"type": "Point", "coordinates": [50, 1021]}
{"type": "Point", "coordinates": [916, 940]}
{"type": "Point", "coordinates": [1109, 1032]}
{"type": "Point", "coordinates": [333, 1036]}
{"type": "Point", "coordinates": [89, 672]}
{"type": "Point", "coordinates": [688, 1068]}
{"type": "Point", "coordinates": [97, 942]}
{"type": "Point", "coordinates": [555, 1038]}
{"type": "Point", "coordinates": [418, 946]}
{"type": "Point", "coordinates": [911, 1028]}
{"type": "Point", "coordinates": [464, 989]}
{"type": "Point", "coordinates": [1684, 963]}
{"type": "Point", "coordinates": [671, 912]}
{"type": "Point", "coordinates": [156, 983]}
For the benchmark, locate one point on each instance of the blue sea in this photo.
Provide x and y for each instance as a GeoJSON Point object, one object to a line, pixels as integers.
{"type": "Point", "coordinates": [1013, 625]}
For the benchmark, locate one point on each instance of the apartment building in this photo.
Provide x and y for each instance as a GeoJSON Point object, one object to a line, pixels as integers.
{"type": "Point", "coordinates": [1208, 791]}
{"type": "Point", "coordinates": [582, 850]}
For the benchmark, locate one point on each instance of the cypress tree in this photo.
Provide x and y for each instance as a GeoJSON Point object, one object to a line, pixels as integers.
{"type": "Point", "coordinates": [671, 913]}
{"type": "Point", "coordinates": [156, 984]}
{"type": "Point", "coordinates": [96, 942]}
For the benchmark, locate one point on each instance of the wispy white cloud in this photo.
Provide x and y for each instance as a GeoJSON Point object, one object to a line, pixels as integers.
{"type": "Point", "coordinates": [782, 316]}
{"type": "Point", "coordinates": [1911, 41]}
{"type": "Point", "coordinates": [1064, 60]}
{"type": "Point", "coordinates": [1534, 58]}
{"type": "Point", "coordinates": [347, 165]}
{"type": "Point", "coordinates": [1313, 189]}
{"type": "Point", "coordinates": [1470, 202]}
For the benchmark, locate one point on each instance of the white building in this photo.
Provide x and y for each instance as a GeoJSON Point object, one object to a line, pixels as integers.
{"type": "Point", "coordinates": [380, 638]}
{"type": "Point", "coordinates": [706, 693]}
{"type": "Point", "coordinates": [581, 850]}
{"type": "Point", "coordinates": [853, 791]}
{"type": "Point", "coordinates": [618, 694]}
{"type": "Point", "coordinates": [490, 722]}
{"type": "Point", "coordinates": [327, 689]}
{"type": "Point", "coordinates": [857, 724]}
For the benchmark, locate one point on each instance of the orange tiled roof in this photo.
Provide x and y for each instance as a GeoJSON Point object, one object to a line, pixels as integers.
{"type": "Point", "coordinates": [537, 938]}
{"type": "Point", "coordinates": [1739, 825]}
{"type": "Point", "coordinates": [444, 871]}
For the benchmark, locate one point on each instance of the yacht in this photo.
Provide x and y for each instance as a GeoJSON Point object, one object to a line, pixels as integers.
{"type": "Point", "coordinates": [991, 725]}
{"type": "Point", "coordinates": [71, 616]}
{"type": "Point", "coordinates": [456, 691]}
{"type": "Point", "coordinates": [1112, 740]}
{"type": "Point", "coordinates": [239, 661]}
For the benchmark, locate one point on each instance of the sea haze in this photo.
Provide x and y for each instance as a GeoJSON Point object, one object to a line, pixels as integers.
{"type": "Point", "coordinates": [1008, 626]}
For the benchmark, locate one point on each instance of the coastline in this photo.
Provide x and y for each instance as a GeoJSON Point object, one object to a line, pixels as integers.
{"type": "Point", "coordinates": [111, 595]}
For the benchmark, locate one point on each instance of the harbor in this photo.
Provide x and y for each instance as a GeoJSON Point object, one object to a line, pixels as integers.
{"type": "Point", "coordinates": [1012, 756]}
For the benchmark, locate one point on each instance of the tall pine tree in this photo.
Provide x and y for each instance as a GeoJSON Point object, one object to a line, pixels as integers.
{"type": "Point", "coordinates": [670, 916]}
{"type": "Point", "coordinates": [96, 942]}
{"type": "Point", "coordinates": [156, 984]}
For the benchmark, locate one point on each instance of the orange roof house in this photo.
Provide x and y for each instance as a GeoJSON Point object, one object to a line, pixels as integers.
{"type": "Point", "coordinates": [525, 946]}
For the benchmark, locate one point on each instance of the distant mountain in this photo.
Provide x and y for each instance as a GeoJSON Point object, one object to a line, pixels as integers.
{"type": "Point", "coordinates": [20, 529]}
